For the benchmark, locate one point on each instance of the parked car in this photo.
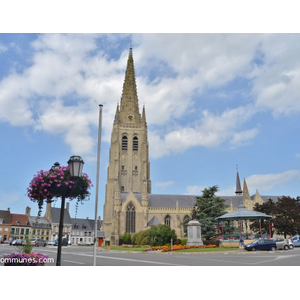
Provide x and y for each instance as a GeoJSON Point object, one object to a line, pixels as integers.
{"type": "Point", "coordinates": [64, 242]}
{"type": "Point", "coordinates": [281, 243]}
{"type": "Point", "coordinates": [296, 240]}
{"type": "Point", "coordinates": [291, 243]}
{"type": "Point", "coordinates": [18, 242]}
{"type": "Point", "coordinates": [261, 244]}
{"type": "Point", "coordinates": [52, 243]}
{"type": "Point", "coordinates": [38, 242]}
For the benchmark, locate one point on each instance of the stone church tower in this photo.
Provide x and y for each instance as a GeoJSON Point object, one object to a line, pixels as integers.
{"type": "Point", "coordinates": [129, 166]}
{"type": "Point", "coordinates": [129, 204]}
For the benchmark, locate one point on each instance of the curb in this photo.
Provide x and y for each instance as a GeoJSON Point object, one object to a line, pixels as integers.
{"type": "Point", "coordinates": [231, 252]}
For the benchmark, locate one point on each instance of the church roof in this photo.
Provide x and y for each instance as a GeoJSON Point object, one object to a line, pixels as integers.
{"type": "Point", "coordinates": [153, 221]}
{"type": "Point", "coordinates": [160, 200]}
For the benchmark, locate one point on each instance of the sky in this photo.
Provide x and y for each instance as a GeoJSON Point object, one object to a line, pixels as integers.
{"type": "Point", "coordinates": [213, 102]}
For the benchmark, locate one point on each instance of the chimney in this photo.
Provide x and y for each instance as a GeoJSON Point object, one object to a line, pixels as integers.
{"type": "Point", "coordinates": [67, 206]}
{"type": "Point", "coordinates": [48, 213]}
{"type": "Point", "coordinates": [8, 209]}
{"type": "Point", "coordinates": [27, 211]}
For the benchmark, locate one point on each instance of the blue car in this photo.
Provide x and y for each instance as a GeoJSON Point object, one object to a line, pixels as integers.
{"type": "Point", "coordinates": [296, 240]}
{"type": "Point", "coordinates": [261, 244]}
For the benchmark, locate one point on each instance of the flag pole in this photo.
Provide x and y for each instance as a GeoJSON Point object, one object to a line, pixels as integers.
{"type": "Point", "coordinates": [97, 182]}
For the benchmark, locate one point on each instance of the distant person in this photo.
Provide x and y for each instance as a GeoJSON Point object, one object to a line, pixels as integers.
{"type": "Point", "coordinates": [241, 242]}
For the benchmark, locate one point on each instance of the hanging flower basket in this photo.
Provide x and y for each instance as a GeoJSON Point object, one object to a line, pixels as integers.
{"type": "Point", "coordinates": [57, 191]}
{"type": "Point", "coordinates": [47, 185]}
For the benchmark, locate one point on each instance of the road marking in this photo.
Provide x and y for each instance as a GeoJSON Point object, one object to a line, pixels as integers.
{"type": "Point", "coordinates": [137, 260]}
{"type": "Point", "coordinates": [74, 262]}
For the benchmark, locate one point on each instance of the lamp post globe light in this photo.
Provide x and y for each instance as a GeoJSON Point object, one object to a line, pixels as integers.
{"type": "Point", "coordinates": [75, 165]}
{"type": "Point", "coordinates": [56, 166]}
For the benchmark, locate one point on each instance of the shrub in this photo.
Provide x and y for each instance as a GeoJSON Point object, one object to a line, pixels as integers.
{"type": "Point", "coordinates": [183, 242]}
{"type": "Point", "coordinates": [125, 238]}
{"type": "Point", "coordinates": [161, 235]}
{"type": "Point", "coordinates": [211, 242]}
{"type": "Point", "coordinates": [140, 238]}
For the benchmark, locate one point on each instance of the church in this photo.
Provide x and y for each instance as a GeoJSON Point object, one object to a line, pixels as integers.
{"type": "Point", "coordinates": [129, 204]}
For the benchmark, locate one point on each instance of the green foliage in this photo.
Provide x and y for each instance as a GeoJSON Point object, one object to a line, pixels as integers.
{"type": "Point", "coordinates": [209, 207]}
{"type": "Point", "coordinates": [125, 238]}
{"type": "Point", "coordinates": [183, 242]}
{"type": "Point", "coordinates": [286, 216]}
{"type": "Point", "coordinates": [27, 247]}
{"type": "Point", "coordinates": [140, 238]}
{"type": "Point", "coordinates": [161, 234]}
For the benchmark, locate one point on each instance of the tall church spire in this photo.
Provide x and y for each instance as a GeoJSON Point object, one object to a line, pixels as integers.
{"type": "Point", "coordinates": [129, 108]}
{"type": "Point", "coordinates": [238, 190]}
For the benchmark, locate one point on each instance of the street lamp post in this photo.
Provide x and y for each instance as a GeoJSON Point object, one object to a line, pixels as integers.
{"type": "Point", "coordinates": [75, 165]}
{"type": "Point", "coordinates": [97, 184]}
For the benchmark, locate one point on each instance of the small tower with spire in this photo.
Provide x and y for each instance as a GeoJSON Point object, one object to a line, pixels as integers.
{"type": "Point", "coordinates": [238, 190]}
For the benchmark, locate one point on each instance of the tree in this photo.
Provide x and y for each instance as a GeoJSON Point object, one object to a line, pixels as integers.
{"type": "Point", "coordinates": [267, 208]}
{"type": "Point", "coordinates": [159, 235]}
{"type": "Point", "coordinates": [209, 207]}
{"type": "Point", "coordinates": [286, 216]}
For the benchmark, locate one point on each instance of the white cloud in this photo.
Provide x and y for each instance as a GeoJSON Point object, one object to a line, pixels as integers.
{"type": "Point", "coordinates": [2, 48]}
{"type": "Point", "coordinates": [243, 137]}
{"type": "Point", "coordinates": [71, 122]}
{"type": "Point", "coordinates": [277, 85]}
{"type": "Point", "coordinates": [227, 192]}
{"type": "Point", "coordinates": [211, 131]}
{"type": "Point", "coordinates": [194, 190]}
{"type": "Point", "coordinates": [269, 181]}
{"type": "Point", "coordinates": [73, 75]}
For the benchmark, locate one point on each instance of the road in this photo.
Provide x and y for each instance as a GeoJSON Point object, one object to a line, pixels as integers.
{"type": "Point", "coordinates": [83, 256]}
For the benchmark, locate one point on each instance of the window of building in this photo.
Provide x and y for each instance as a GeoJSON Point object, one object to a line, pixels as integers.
{"type": "Point", "coordinates": [124, 143]}
{"type": "Point", "coordinates": [135, 145]}
{"type": "Point", "coordinates": [130, 218]}
{"type": "Point", "coordinates": [168, 220]}
{"type": "Point", "coordinates": [122, 188]}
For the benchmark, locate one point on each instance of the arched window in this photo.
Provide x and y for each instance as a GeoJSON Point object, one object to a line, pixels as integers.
{"type": "Point", "coordinates": [124, 142]}
{"type": "Point", "coordinates": [130, 218]}
{"type": "Point", "coordinates": [168, 220]}
{"type": "Point", "coordinates": [135, 144]}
